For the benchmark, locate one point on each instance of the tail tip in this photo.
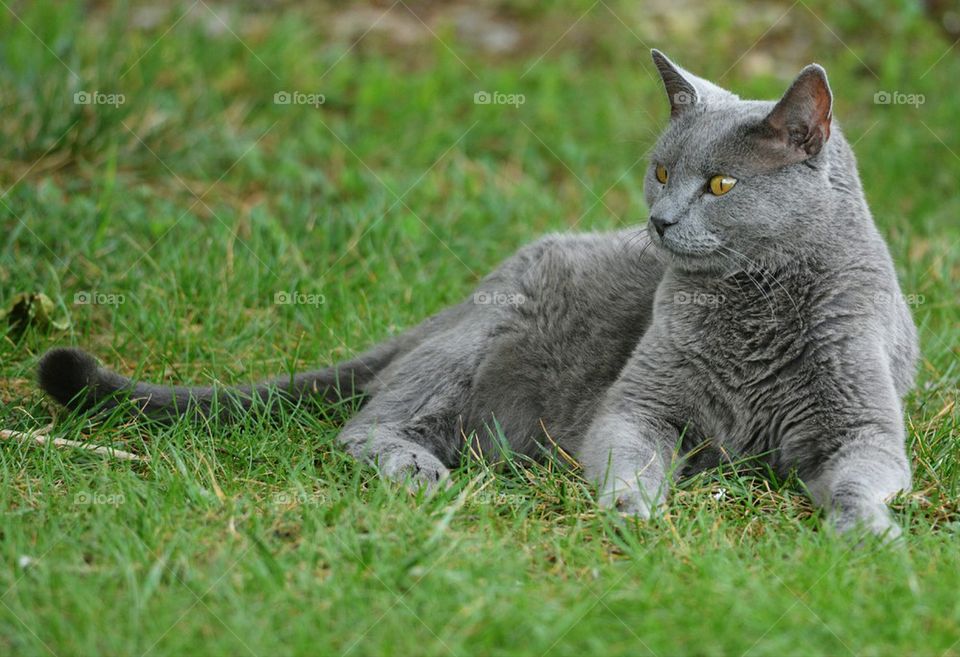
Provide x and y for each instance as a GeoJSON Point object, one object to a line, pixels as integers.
{"type": "Point", "coordinates": [63, 373]}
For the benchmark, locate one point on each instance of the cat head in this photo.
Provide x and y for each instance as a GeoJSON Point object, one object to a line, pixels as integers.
{"type": "Point", "coordinates": [734, 180]}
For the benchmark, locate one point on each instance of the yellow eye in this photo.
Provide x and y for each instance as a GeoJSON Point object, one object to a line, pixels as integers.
{"type": "Point", "coordinates": [662, 174]}
{"type": "Point", "coordinates": [720, 185]}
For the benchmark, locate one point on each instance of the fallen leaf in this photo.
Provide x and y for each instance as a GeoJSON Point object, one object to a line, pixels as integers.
{"type": "Point", "coordinates": [31, 309]}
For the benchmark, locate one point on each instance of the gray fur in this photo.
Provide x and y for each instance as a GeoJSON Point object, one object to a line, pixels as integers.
{"type": "Point", "coordinates": [765, 322]}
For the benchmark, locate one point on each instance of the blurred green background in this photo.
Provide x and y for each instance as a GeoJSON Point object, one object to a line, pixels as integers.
{"type": "Point", "coordinates": [168, 169]}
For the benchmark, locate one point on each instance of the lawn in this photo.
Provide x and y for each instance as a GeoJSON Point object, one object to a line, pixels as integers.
{"type": "Point", "coordinates": [170, 174]}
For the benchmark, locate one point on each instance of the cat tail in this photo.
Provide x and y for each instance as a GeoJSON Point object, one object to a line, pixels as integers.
{"type": "Point", "coordinates": [76, 380]}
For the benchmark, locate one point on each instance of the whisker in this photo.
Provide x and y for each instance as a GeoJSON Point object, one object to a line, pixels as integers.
{"type": "Point", "coordinates": [766, 272]}
{"type": "Point", "coordinates": [756, 284]}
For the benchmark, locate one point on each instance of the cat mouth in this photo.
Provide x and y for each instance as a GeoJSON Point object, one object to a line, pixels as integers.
{"type": "Point", "coordinates": [681, 248]}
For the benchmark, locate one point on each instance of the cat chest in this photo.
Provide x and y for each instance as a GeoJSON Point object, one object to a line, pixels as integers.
{"type": "Point", "coordinates": [745, 408]}
{"type": "Point", "coordinates": [742, 375]}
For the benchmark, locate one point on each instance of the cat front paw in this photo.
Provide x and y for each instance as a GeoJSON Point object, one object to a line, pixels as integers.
{"type": "Point", "coordinates": [416, 470]}
{"type": "Point", "coordinates": [874, 519]}
{"type": "Point", "coordinates": [633, 502]}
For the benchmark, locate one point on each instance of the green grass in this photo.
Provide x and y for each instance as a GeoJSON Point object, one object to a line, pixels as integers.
{"type": "Point", "coordinates": [198, 199]}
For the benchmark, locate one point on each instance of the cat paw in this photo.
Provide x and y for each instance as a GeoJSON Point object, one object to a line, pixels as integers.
{"type": "Point", "coordinates": [873, 520]}
{"type": "Point", "coordinates": [416, 470]}
{"type": "Point", "coordinates": [633, 503]}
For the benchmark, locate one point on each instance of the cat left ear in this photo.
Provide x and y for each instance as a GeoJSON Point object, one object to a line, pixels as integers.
{"type": "Point", "coordinates": [800, 121]}
{"type": "Point", "coordinates": [681, 91]}
{"type": "Point", "coordinates": [684, 89]}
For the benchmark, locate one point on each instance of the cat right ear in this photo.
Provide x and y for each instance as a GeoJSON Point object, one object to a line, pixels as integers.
{"type": "Point", "coordinates": [799, 124]}
{"type": "Point", "coordinates": [681, 92]}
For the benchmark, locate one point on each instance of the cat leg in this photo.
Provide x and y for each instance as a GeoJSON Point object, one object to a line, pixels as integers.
{"type": "Point", "coordinates": [409, 428]}
{"type": "Point", "coordinates": [629, 459]}
{"type": "Point", "coordinates": [856, 481]}
{"type": "Point", "coordinates": [853, 457]}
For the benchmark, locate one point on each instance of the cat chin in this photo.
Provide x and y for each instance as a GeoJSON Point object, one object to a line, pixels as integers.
{"type": "Point", "coordinates": [701, 261]}
{"type": "Point", "coordinates": [705, 264]}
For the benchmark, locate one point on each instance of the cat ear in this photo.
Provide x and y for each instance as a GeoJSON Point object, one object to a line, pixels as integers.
{"type": "Point", "coordinates": [800, 122]}
{"type": "Point", "coordinates": [680, 92]}
{"type": "Point", "coordinates": [684, 89]}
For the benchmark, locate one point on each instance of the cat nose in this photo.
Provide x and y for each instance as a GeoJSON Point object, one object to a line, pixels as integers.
{"type": "Point", "coordinates": [660, 224]}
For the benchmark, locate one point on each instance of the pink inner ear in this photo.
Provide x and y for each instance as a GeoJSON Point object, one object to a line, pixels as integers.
{"type": "Point", "coordinates": [823, 103]}
{"type": "Point", "coordinates": [802, 117]}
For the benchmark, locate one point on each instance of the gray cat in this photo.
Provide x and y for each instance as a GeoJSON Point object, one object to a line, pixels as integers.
{"type": "Point", "coordinates": [757, 314]}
